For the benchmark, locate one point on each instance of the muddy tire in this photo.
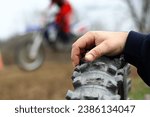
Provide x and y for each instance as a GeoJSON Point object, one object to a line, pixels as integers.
{"type": "Point", "coordinates": [104, 79]}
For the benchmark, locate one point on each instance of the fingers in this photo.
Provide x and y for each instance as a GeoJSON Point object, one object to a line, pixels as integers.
{"type": "Point", "coordinates": [75, 55]}
{"type": "Point", "coordinates": [100, 50]}
{"type": "Point", "coordinates": [104, 43]}
{"type": "Point", "coordinates": [80, 46]}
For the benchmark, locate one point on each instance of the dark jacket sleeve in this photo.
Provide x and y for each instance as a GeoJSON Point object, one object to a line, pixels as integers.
{"type": "Point", "coordinates": [137, 53]}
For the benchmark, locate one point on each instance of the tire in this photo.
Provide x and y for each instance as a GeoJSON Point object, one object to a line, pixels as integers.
{"type": "Point", "coordinates": [104, 79]}
{"type": "Point", "coordinates": [23, 60]}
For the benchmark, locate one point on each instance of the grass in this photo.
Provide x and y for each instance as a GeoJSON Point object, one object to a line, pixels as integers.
{"type": "Point", "coordinates": [139, 89]}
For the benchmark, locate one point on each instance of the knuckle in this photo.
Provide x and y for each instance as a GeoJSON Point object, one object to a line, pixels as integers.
{"type": "Point", "coordinates": [74, 45]}
{"type": "Point", "coordinates": [95, 53]}
{"type": "Point", "coordinates": [89, 33]}
{"type": "Point", "coordinates": [72, 59]}
{"type": "Point", "coordinates": [72, 56]}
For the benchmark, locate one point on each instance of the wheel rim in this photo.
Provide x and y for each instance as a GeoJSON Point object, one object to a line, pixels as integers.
{"type": "Point", "coordinates": [27, 63]}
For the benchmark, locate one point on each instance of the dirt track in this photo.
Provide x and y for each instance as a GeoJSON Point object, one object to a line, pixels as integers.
{"type": "Point", "coordinates": [51, 81]}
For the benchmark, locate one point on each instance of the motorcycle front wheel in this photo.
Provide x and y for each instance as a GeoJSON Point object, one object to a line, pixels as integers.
{"type": "Point", "coordinates": [24, 61]}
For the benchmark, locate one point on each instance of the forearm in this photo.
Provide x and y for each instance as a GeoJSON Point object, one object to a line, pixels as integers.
{"type": "Point", "coordinates": [136, 52]}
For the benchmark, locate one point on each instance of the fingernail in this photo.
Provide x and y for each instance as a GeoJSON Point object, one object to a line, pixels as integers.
{"type": "Point", "coordinates": [89, 57]}
{"type": "Point", "coordinates": [73, 65]}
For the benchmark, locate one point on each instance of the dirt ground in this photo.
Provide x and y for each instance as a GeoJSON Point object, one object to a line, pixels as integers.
{"type": "Point", "coordinates": [51, 81]}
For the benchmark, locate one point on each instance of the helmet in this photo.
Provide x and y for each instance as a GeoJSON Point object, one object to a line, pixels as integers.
{"type": "Point", "coordinates": [59, 2]}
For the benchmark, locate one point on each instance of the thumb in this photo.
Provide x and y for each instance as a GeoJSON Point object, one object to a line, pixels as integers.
{"type": "Point", "coordinates": [97, 51]}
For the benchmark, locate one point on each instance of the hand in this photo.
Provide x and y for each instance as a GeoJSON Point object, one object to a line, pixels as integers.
{"type": "Point", "coordinates": [95, 44]}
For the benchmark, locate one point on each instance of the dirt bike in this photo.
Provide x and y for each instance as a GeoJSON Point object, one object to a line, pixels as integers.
{"type": "Point", "coordinates": [30, 54]}
{"type": "Point", "coordinates": [106, 78]}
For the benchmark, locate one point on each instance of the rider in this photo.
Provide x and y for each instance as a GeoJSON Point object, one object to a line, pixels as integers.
{"type": "Point", "coordinates": [63, 18]}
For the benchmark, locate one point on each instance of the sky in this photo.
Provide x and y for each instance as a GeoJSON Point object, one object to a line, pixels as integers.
{"type": "Point", "coordinates": [101, 14]}
{"type": "Point", "coordinates": [13, 14]}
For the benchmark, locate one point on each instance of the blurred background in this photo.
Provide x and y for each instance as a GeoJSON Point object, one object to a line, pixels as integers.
{"type": "Point", "coordinates": [32, 67]}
